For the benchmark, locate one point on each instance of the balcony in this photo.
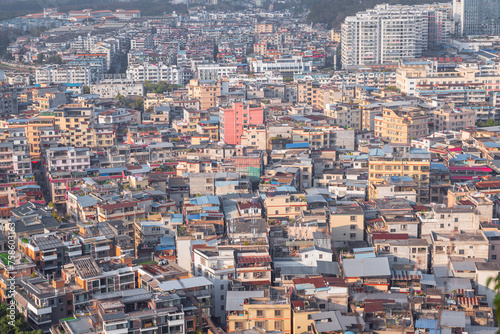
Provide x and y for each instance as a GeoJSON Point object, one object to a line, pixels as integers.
{"type": "Point", "coordinates": [51, 257]}
{"type": "Point", "coordinates": [172, 323]}
{"type": "Point", "coordinates": [102, 248]}
{"type": "Point", "coordinates": [75, 253]}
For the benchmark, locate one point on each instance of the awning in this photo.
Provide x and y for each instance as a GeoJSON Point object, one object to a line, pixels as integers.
{"type": "Point", "coordinates": [257, 283]}
{"type": "Point", "coordinates": [468, 301]}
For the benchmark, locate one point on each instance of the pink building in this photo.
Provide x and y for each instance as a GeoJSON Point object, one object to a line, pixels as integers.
{"type": "Point", "coordinates": [232, 121]}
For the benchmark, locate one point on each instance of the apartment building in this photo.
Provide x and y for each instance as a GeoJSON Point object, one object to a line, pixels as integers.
{"type": "Point", "coordinates": [234, 119]}
{"type": "Point", "coordinates": [403, 251]}
{"type": "Point", "coordinates": [384, 35]}
{"type": "Point", "coordinates": [47, 251]}
{"type": "Point", "coordinates": [449, 220]}
{"type": "Point", "coordinates": [267, 310]}
{"type": "Point", "coordinates": [287, 65]}
{"type": "Point", "coordinates": [455, 119]}
{"type": "Point", "coordinates": [344, 115]}
{"type": "Point", "coordinates": [8, 101]}
{"type": "Point", "coordinates": [476, 17]}
{"type": "Point", "coordinates": [33, 129]}
{"type": "Point", "coordinates": [155, 73]}
{"type": "Point", "coordinates": [122, 313]}
{"type": "Point", "coordinates": [401, 125]}
{"type": "Point", "coordinates": [205, 91]}
{"type": "Point", "coordinates": [347, 224]}
{"type": "Point", "coordinates": [284, 205]}
{"type": "Point", "coordinates": [470, 245]}
{"type": "Point", "coordinates": [466, 83]}
{"type": "Point", "coordinates": [312, 93]}
{"type": "Point", "coordinates": [68, 159]}
{"type": "Point", "coordinates": [109, 89]}
{"type": "Point", "coordinates": [401, 161]}
{"type": "Point", "coordinates": [84, 75]}
{"type": "Point", "coordinates": [219, 267]}
{"type": "Point", "coordinates": [214, 71]}
{"type": "Point", "coordinates": [264, 28]}
{"type": "Point", "coordinates": [255, 137]}
{"type": "Point", "coordinates": [75, 121]}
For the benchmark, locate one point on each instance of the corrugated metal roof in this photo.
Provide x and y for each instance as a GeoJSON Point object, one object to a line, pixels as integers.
{"type": "Point", "coordinates": [367, 267]}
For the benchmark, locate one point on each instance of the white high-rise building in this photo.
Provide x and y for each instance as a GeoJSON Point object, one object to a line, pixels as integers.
{"type": "Point", "coordinates": [388, 33]}
{"type": "Point", "coordinates": [155, 73]}
{"type": "Point", "coordinates": [477, 17]}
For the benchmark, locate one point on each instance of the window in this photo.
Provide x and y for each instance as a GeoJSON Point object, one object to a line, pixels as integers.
{"type": "Point", "coordinates": [221, 297]}
{"type": "Point", "coordinates": [309, 329]}
{"type": "Point", "coordinates": [461, 252]}
{"type": "Point", "coordinates": [238, 325]}
{"type": "Point", "coordinates": [260, 313]}
{"type": "Point", "coordinates": [277, 313]}
{"type": "Point", "coordinates": [493, 257]}
{"type": "Point", "coordinates": [222, 307]}
{"type": "Point", "coordinates": [492, 247]}
{"type": "Point", "coordinates": [260, 324]}
{"type": "Point", "coordinates": [441, 225]}
{"type": "Point", "coordinates": [353, 227]}
{"type": "Point", "coordinates": [456, 220]}
{"type": "Point", "coordinates": [320, 256]}
{"type": "Point", "coordinates": [353, 235]}
{"type": "Point", "coordinates": [306, 256]}
{"type": "Point", "coordinates": [222, 286]}
{"type": "Point", "coordinates": [353, 218]}
{"type": "Point", "coordinates": [277, 325]}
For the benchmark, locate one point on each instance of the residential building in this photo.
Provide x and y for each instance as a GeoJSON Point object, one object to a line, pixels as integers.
{"type": "Point", "coordinates": [401, 125]}
{"type": "Point", "coordinates": [233, 120]}
{"type": "Point", "coordinates": [384, 35]}
{"type": "Point", "coordinates": [347, 224]}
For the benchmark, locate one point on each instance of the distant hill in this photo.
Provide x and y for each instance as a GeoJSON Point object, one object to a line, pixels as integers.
{"type": "Point", "coordinates": [333, 12]}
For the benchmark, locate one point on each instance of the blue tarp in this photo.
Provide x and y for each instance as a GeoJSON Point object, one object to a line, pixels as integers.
{"type": "Point", "coordinates": [297, 145]}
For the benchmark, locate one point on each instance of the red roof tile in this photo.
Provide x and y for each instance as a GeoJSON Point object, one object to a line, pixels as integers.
{"type": "Point", "coordinates": [318, 282]}
{"type": "Point", "coordinates": [255, 259]}
{"type": "Point", "coordinates": [389, 236]}
{"type": "Point", "coordinates": [257, 283]}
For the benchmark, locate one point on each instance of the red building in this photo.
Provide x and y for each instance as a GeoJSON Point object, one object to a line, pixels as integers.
{"type": "Point", "coordinates": [233, 120]}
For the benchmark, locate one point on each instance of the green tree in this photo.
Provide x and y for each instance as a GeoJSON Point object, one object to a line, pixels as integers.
{"type": "Point", "coordinates": [86, 90]}
{"type": "Point", "coordinates": [491, 122]}
{"type": "Point", "coordinates": [39, 58]}
{"type": "Point", "coordinates": [7, 55]}
{"type": "Point", "coordinates": [56, 59]}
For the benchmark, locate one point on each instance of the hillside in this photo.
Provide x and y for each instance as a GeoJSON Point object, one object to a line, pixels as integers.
{"type": "Point", "coordinates": [333, 12]}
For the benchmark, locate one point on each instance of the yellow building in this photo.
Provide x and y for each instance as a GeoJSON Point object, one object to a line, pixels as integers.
{"type": "Point", "coordinates": [205, 92]}
{"type": "Point", "coordinates": [401, 125]}
{"type": "Point", "coordinates": [412, 77]}
{"type": "Point", "coordinates": [255, 137]}
{"type": "Point", "coordinates": [269, 310]}
{"type": "Point", "coordinates": [401, 160]}
{"type": "Point", "coordinates": [313, 94]}
{"type": "Point", "coordinates": [75, 122]}
{"type": "Point", "coordinates": [264, 28]}
{"type": "Point", "coordinates": [285, 205]}
{"type": "Point", "coordinates": [347, 224]}
{"type": "Point", "coordinates": [32, 127]}
{"type": "Point", "coordinates": [301, 319]}
{"type": "Point", "coordinates": [335, 36]}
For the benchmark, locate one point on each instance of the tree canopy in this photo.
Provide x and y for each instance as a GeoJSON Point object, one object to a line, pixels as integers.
{"type": "Point", "coordinates": [20, 326]}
